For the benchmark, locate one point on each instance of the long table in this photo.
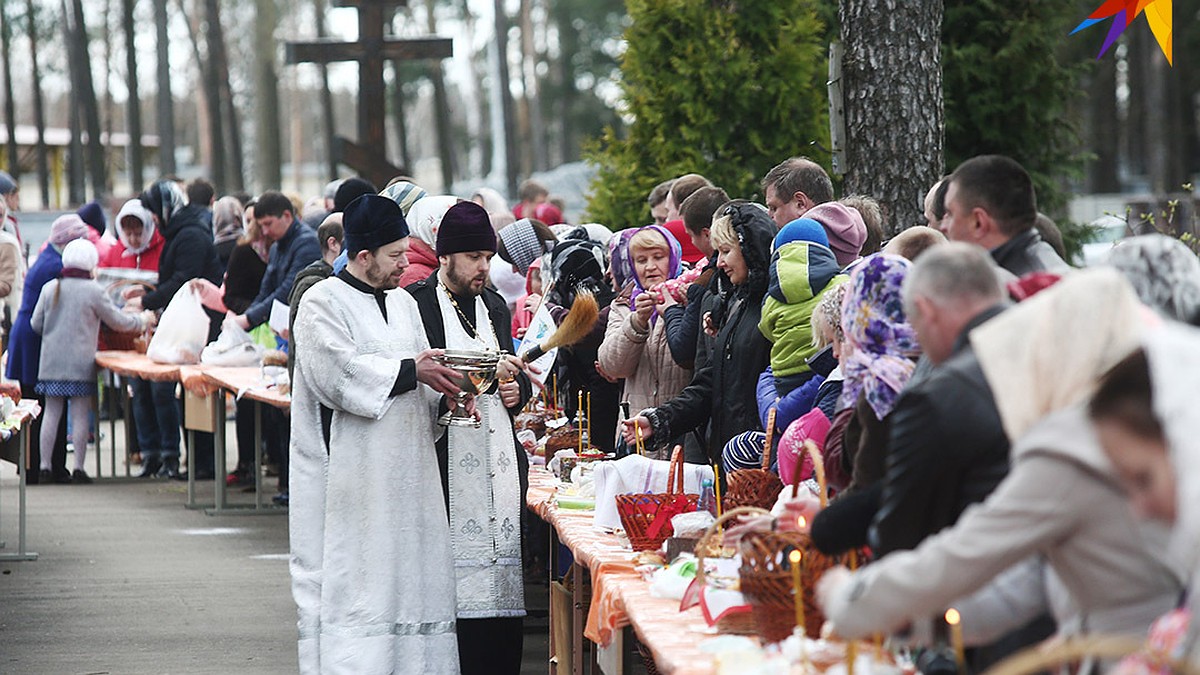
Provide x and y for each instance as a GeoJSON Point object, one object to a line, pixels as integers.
{"type": "Point", "coordinates": [620, 597]}
{"type": "Point", "coordinates": [128, 365]}
{"type": "Point", "coordinates": [14, 447]}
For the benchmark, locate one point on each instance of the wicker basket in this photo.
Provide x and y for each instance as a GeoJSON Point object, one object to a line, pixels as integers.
{"type": "Point", "coordinates": [134, 341]}
{"type": "Point", "coordinates": [755, 487]}
{"type": "Point", "coordinates": [1039, 658]}
{"type": "Point", "coordinates": [741, 623]}
{"type": "Point", "coordinates": [766, 571]}
{"type": "Point", "coordinates": [647, 517]}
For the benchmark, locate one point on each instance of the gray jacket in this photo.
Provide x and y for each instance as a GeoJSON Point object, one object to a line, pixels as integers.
{"type": "Point", "coordinates": [1061, 499]}
{"type": "Point", "coordinates": [71, 326]}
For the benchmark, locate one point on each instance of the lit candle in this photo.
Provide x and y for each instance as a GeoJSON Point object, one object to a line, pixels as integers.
{"type": "Point", "coordinates": [555, 385]}
{"type": "Point", "coordinates": [637, 431]}
{"type": "Point", "coordinates": [851, 657]}
{"type": "Point", "coordinates": [589, 420]}
{"type": "Point", "coordinates": [879, 647]}
{"type": "Point", "coordinates": [579, 421]}
{"type": "Point", "coordinates": [795, 558]}
{"type": "Point", "coordinates": [801, 524]}
{"type": "Point", "coordinates": [717, 487]}
{"type": "Point", "coordinates": [956, 637]}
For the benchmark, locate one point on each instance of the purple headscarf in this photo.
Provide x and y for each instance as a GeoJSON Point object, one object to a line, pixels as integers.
{"type": "Point", "coordinates": [882, 343]}
{"type": "Point", "coordinates": [674, 266]}
{"type": "Point", "coordinates": [620, 264]}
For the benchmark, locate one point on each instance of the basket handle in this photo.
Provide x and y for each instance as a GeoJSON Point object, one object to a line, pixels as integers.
{"type": "Point", "coordinates": [1038, 659]}
{"type": "Point", "coordinates": [702, 542]}
{"type": "Point", "coordinates": [675, 472]}
{"type": "Point", "coordinates": [766, 464]}
{"type": "Point", "coordinates": [814, 453]}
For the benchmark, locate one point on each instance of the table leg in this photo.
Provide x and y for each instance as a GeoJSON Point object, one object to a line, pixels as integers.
{"type": "Point", "coordinates": [110, 403]}
{"type": "Point", "coordinates": [127, 420]}
{"type": "Point", "coordinates": [552, 560]}
{"type": "Point", "coordinates": [21, 554]}
{"type": "Point", "coordinates": [578, 618]}
{"type": "Point", "coordinates": [191, 471]}
{"type": "Point", "coordinates": [258, 463]}
{"type": "Point", "coordinates": [96, 415]}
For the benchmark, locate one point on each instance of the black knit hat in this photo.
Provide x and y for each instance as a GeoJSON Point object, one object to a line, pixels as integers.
{"type": "Point", "coordinates": [466, 227]}
{"type": "Point", "coordinates": [349, 190]}
{"type": "Point", "coordinates": [372, 221]}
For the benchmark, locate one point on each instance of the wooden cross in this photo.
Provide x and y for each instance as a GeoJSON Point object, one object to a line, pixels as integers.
{"type": "Point", "coordinates": [369, 155]}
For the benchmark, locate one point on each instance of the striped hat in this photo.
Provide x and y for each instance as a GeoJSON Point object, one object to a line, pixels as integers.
{"type": "Point", "coordinates": [403, 193]}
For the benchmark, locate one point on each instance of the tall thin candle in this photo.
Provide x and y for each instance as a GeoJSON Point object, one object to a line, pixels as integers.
{"type": "Point", "coordinates": [717, 488]}
{"type": "Point", "coordinates": [555, 385]}
{"type": "Point", "coordinates": [956, 638]}
{"type": "Point", "coordinates": [589, 420]}
{"type": "Point", "coordinates": [578, 416]}
{"type": "Point", "coordinates": [795, 558]}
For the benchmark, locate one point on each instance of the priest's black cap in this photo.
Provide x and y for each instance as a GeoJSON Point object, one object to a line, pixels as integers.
{"type": "Point", "coordinates": [371, 221]}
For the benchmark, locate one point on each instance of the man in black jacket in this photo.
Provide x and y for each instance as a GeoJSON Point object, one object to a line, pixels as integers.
{"type": "Point", "coordinates": [484, 470]}
{"type": "Point", "coordinates": [947, 448]}
{"type": "Point", "coordinates": [189, 253]}
{"type": "Point", "coordinates": [990, 202]}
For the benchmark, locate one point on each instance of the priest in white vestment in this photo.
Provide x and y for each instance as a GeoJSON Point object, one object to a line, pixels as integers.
{"type": "Point", "coordinates": [484, 470]}
{"type": "Point", "coordinates": [372, 573]}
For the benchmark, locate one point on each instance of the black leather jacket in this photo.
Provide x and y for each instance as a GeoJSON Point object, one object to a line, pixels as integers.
{"type": "Point", "coordinates": [947, 450]}
{"type": "Point", "coordinates": [1027, 253]}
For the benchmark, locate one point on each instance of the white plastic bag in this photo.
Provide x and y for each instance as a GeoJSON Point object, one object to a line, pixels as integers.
{"type": "Point", "coordinates": [233, 347]}
{"type": "Point", "coordinates": [182, 330]}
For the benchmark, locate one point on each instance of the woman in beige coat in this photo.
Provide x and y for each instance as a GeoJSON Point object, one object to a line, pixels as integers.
{"type": "Point", "coordinates": [635, 343]}
{"type": "Point", "coordinates": [1061, 500]}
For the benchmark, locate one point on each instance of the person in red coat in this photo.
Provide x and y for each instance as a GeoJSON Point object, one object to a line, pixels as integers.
{"type": "Point", "coordinates": [139, 243]}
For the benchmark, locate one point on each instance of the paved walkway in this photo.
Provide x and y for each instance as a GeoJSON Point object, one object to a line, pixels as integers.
{"type": "Point", "coordinates": [129, 581]}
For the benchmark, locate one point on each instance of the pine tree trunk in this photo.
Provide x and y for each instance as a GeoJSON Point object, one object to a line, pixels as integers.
{"type": "Point", "coordinates": [327, 121]}
{"type": "Point", "coordinates": [230, 137]}
{"type": "Point", "coordinates": [212, 140]}
{"type": "Point", "coordinates": [537, 127]}
{"type": "Point", "coordinates": [269, 156]}
{"type": "Point", "coordinates": [506, 103]}
{"type": "Point", "coordinates": [109, 105]}
{"type": "Point", "coordinates": [10, 107]}
{"type": "Point", "coordinates": [87, 99]}
{"type": "Point", "coordinates": [399, 120]}
{"type": "Point", "coordinates": [133, 109]}
{"type": "Point", "coordinates": [76, 176]}
{"type": "Point", "coordinates": [893, 101]}
{"type": "Point", "coordinates": [441, 103]}
{"type": "Point", "coordinates": [1103, 127]}
{"type": "Point", "coordinates": [166, 106]}
{"type": "Point", "coordinates": [39, 108]}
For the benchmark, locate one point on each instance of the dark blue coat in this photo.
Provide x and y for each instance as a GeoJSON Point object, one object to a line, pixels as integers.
{"type": "Point", "coordinates": [24, 345]}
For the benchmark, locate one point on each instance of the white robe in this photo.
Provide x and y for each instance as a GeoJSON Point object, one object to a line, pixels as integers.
{"type": "Point", "coordinates": [371, 567]}
{"type": "Point", "coordinates": [485, 490]}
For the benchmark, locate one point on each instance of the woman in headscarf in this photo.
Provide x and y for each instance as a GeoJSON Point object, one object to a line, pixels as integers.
{"type": "Point", "coordinates": [1145, 417]}
{"type": "Point", "coordinates": [139, 244]}
{"type": "Point", "coordinates": [25, 345]}
{"type": "Point", "coordinates": [424, 219]}
{"type": "Point", "coordinates": [1164, 273]}
{"type": "Point", "coordinates": [721, 395]}
{"type": "Point", "coordinates": [1061, 501]}
{"type": "Point", "coordinates": [577, 267]}
{"type": "Point", "coordinates": [519, 245]}
{"type": "Point", "coordinates": [228, 227]}
{"type": "Point", "coordinates": [635, 345]}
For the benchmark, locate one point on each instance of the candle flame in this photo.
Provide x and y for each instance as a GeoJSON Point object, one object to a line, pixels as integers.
{"type": "Point", "coordinates": [952, 617]}
{"type": "Point", "coordinates": [794, 556]}
{"type": "Point", "coordinates": [801, 523]}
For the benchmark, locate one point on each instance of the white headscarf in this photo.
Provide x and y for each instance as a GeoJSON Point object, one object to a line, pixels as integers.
{"type": "Point", "coordinates": [425, 217]}
{"type": "Point", "coordinates": [134, 208]}
{"type": "Point", "coordinates": [1048, 352]}
{"type": "Point", "coordinates": [1173, 352]}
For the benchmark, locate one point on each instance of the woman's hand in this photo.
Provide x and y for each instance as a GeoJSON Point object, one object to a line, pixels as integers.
{"type": "Point", "coordinates": [710, 328]}
{"type": "Point", "coordinates": [134, 291]}
{"type": "Point", "coordinates": [643, 308]}
{"type": "Point", "coordinates": [211, 296]}
{"type": "Point", "coordinates": [532, 302]}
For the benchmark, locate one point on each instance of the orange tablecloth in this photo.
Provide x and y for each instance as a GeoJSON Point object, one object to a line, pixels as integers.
{"type": "Point", "coordinates": [247, 382]}
{"type": "Point", "coordinates": [134, 364]}
{"type": "Point", "coordinates": [619, 595]}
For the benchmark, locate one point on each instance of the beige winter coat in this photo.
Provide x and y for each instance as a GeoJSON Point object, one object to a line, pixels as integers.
{"type": "Point", "coordinates": [643, 359]}
{"type": "Point", "coordinates": [1060, 499]}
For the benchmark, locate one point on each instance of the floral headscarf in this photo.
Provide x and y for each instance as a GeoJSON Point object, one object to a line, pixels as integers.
{"type": "Point", "coordinates": [1164, 272]}
{"type": "Point", "coordinates": [620, 263]}
{"type": "Point", "coordinates": [882, 343]}
{"type": "Point", "coordinates": [674, 265]}
{"type": "Point", "coordinates": [164, 199]}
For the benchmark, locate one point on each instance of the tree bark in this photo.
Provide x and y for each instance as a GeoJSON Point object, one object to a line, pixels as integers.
{"type": "Point", "coordinates": [1103, 127]}
{"type": "Point", "coordinates": [166, 106]}
{"type": "Point", "coordinates": [327, 120]}
{"type": "Point", "coordinates": [441, 104]}
{"type": "Point", "coordinates": [97, 165]}
{"type": "Point", "coordinates": [10, 106]}
{"type": "Point", "coordinates": [537, 126]}
{"type": "Point", "coordinates": [269, 157]}
{"type": "Point", "coordinates": [506, 102]}
{"type": "Point", "coordinates": [133, 109]}
{"type": "Point", "coordinates": [76, 178]}
{"type": "Point", "coordinates": [109, 105]}
{"type": "Point", "coordinates": [230, 137]}
{"type": "Point", "coordinates": [212, 137]}
{"type": "Point", "coordinates": [893, 103]}
{"type": "Point", "coordinates": [39, 108]}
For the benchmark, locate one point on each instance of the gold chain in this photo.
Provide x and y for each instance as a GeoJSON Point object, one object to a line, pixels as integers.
{"type": "Point", "coordinates": [466, 321]}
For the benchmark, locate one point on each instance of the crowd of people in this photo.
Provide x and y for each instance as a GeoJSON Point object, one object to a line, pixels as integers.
{"type": "Point", "coordinates": [987, 414]}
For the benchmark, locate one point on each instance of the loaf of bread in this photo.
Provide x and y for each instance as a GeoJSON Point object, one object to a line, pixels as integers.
{"type": "Point", "coordinates": [274, 357]}
{"type": "Point", "coordinates": [533, 421]}
{"type": "Point", "coordinates": [562, 439]}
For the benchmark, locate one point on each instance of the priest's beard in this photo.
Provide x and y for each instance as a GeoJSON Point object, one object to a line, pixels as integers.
{"type": "Point", "coordinates": [380, 279]}
{"type": "Point", "coordinates": [463, 284]}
